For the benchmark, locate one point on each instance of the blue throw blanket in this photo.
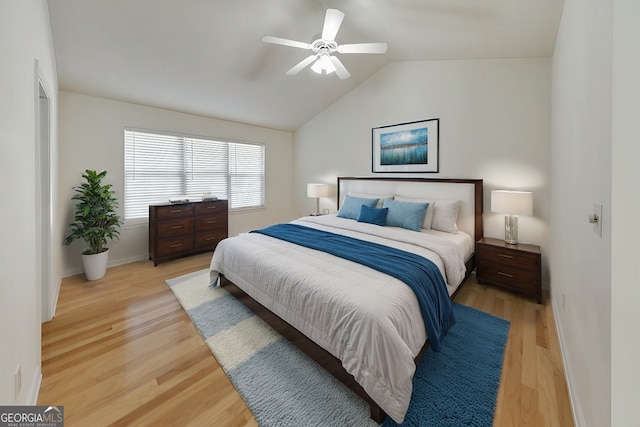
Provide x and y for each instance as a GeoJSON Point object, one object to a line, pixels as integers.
{"type": "Point", "coordinates": [419, 273]}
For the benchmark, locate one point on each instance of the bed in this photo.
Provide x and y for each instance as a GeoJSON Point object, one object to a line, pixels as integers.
{"type": "Point", "coordinates": [360, 322]}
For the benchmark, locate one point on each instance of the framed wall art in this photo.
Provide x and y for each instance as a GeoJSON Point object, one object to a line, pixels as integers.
{"type": "Point", "coordinates": [406, 147]}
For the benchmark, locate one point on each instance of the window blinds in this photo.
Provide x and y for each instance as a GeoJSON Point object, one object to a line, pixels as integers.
{"type": "Point", "coordinates": [161, 166]}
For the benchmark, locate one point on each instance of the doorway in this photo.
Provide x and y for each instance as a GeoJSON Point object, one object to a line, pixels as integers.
{"type": "Point", "coordinates": [44, 216]}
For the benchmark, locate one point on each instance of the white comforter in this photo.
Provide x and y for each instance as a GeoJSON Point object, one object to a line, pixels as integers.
{"type": "Point", "coordinates": [367, 319]}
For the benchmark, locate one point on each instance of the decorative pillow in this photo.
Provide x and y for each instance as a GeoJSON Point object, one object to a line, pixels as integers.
{"type": "Point", "coordinates": [445, 216]}
{"type": "Point", "coordinates": [405, 214]}
{"type": "Point", "coordinates": [372, 196]}
{"type": "Point", "coordinates": [426, 224]}
{"type": "Point", "coordinates": [375, 216]}
{"type": "Point", "coordinates": [351, 206]}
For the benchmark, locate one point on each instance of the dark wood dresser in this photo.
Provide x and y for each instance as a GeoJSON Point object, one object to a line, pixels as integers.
{"type": "Point", "coordinates": [516, 267]}
{"type": "Point", "coordinates": [177, 230]}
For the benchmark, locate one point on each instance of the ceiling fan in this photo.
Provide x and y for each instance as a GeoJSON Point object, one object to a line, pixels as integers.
{"type": "Point", "coordinates": [325, 46]}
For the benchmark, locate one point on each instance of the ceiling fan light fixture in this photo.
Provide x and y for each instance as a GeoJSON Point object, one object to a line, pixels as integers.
{"type": "Point", "coordinates": [327, 65]}
{"type": "Point", "coordinates": [317, 67]}
{"type": "Point", "coordinates": [323, 63]}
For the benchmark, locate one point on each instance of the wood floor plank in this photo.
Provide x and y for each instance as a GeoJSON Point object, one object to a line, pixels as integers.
{"type": "Point", "coordinates": [548, 399]}
{"type": "Point", "coordinates": [122, 351]}
{"type": "Point", "coordinates": [529, 354]}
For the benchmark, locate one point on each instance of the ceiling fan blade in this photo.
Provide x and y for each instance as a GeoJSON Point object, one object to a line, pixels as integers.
{"type": "Point", "coordinates": [332, 22]}
{"type": "Point", "coordinates": [363, 48]}
{"type": "Point", "coordinates": [286, 42]}
{"type": "Point", "coordinates": [340, 70]}
{"type": "Point", "coordinates": [301, 65]}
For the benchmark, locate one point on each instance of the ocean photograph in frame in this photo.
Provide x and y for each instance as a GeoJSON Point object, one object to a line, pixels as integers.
{"type": "Point", "coordinates": [406, 147]}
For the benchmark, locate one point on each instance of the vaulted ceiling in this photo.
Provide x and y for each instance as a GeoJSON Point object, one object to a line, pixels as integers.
{"type": "Point", "coordinates": [206, 57]}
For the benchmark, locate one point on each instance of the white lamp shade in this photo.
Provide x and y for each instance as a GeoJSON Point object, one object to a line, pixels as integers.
{"type": "Point", "coordinates": [317, 190]}
{"type": "Point", "coordinates": [512, 202]}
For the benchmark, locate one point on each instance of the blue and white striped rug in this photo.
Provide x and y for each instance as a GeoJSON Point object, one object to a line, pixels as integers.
{"type": "Point", "coordinates": [283, 387]}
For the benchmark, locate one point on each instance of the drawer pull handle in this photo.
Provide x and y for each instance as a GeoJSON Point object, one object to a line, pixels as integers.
{"type": "Point", "coordinates": [211, 222]}
{"type": "Point", "coordinates": [505, 256]}
{"type": "Point", "coordinates": [175, 227]}
{"type": "Point", "coordinates": [177, 211]}
{"type": "Point", "coordinates": [211, 207]}
{"type": "Point", "coordinates": [505, 274]}
{"type": "Point", "coordinates": [211, 238]}
{"type": "Point", "coordinates": [175, 245]}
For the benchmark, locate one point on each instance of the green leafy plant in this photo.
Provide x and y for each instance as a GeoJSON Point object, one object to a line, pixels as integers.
{"type": "Point", "coordinates": [95, 220]}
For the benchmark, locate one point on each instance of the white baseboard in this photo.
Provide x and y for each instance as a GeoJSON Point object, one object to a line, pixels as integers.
{"type": "Point", "coordinates": [34, 388]}
{"type": "Point", "coordinates": [112, 263]}
{"type": "Point", "coordinates": [129, 260]}
{"type": "Point", "coordinates": [576, 408]}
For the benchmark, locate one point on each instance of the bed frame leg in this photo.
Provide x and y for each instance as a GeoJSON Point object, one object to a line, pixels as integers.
{"type": "Point", "coordinates": [377, 414]}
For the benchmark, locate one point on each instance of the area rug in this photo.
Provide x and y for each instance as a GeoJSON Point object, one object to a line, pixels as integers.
{"type": "Point", "coordinates": [283, 387]}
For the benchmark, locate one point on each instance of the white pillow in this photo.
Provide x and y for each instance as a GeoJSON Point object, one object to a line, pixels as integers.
{"type": "Point", "coordinates": [372, 196]}
{"type": "Point", "coordinates": [445, 216]}
{"type": "Point", "coordinates": [428, 218]}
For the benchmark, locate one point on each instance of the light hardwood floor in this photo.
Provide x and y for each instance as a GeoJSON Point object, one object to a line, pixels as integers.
{"type": "Point", "coordinates": [121, 351]}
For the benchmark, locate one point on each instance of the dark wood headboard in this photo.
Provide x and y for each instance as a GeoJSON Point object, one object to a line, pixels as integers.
{"type": "Point", "coordinates": [470, 191]}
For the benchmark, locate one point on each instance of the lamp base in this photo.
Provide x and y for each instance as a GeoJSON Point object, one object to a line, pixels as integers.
{"type": "Point", "coordinates": [511, 229]}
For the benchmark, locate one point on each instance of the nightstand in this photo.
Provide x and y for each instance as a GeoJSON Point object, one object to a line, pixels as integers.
{"type": "Point", "coordinates": [516, 267]}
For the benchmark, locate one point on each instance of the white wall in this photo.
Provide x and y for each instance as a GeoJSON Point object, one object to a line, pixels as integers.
{"type": "Point", "coordinates": [25, 36]}
{"type": "Point", "coordinates": [494, 125]}
{"type": "Point", "coordinates": [625, 207]}
{"type": "Point", "coordinates": [91, 137]}
{"type": "Point", "coordinates": [581, 175]}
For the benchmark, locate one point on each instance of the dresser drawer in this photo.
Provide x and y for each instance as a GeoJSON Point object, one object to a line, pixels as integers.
{"type": "Point", "coordinates": [176, 227]}
{"type": "Point", "coordinates": [521, 260]}
{"type": "Point", "coordinates": [208, 240]}
{"type": "Point", "coordinates": [175, 245]}
{"type": "Point", "coordinates": [174, 212]}
{"type": "Point", "coordinates": [212, 222]}
{"type": "Point", "coordinates": [210, 208]}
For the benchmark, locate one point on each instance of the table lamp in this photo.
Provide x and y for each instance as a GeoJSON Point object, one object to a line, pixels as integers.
{"type": "Point", "coordinates": [512, 203]}
{"type": "Point", "coordinates": [317, 191]}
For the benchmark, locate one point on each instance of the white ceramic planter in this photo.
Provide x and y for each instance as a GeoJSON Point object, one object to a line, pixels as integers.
{"type": "Point", "coordinates": [95, 266]}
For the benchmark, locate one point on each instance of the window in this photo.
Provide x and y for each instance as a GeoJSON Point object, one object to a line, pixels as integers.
{"type": "Point", "coordinates": [160, 166]}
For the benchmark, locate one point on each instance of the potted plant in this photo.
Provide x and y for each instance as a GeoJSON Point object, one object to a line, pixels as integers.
{"type": "Point", "coordinates": [95, 221]}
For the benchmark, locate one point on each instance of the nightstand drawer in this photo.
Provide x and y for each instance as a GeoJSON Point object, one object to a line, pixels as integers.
{"type": "Point", "coordinates": [510, 276]}
{"type": "Point", "coordinates": [518, 259]}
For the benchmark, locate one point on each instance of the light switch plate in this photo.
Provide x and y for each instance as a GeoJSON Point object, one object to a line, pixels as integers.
{"type": "Point", "coordinates": [597, 226]}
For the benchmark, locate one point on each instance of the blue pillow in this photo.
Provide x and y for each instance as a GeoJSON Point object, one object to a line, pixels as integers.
{"type": "Point", "coordinates": [407, 215]}
{"type": "Point", "coordinates": [351, 206]}
{"type": "Point", "coordinates": [375, 216]}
